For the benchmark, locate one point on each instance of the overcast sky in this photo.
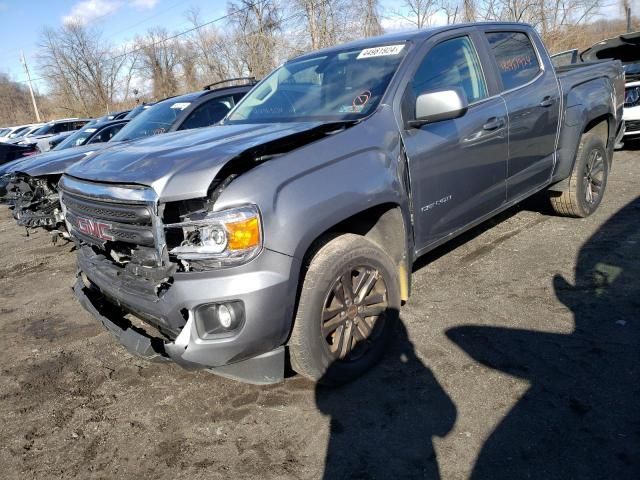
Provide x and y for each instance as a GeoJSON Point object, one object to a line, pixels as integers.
{"type": "Point", "coordinates": [21, 21]}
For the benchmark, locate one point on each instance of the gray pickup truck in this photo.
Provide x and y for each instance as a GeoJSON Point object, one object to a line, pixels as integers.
{"type": "Point", "coordinates": [288, 233]}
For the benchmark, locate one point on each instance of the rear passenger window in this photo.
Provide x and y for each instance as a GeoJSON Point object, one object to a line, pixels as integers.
{"type": "Point", "coordinates": [516, 57]}
{"type": "Point", "coordinates": [451, 64]}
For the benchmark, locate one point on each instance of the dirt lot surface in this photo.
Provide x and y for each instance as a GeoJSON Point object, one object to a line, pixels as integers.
{"type": "Point", "coordinates": [518, 357]}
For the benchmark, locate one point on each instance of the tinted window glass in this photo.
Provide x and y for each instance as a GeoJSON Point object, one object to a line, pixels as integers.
{"type": "Point", "coordinates": [106, 134]}
{"type": "Point", "coordinates": [516, 57]}
{"type": "Point", "coordinates": [59, 128]}
{"type": "Point", "coordinates": [451, 64]}
{"type": "Point", "coordinates": [208, 113]}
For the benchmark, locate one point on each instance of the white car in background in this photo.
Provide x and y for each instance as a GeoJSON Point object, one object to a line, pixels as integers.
{"type": "Point", "coordinates": [9, 133]}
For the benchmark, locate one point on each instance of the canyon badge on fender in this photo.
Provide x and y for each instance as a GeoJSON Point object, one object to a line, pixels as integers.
{"type": "Point", "coordinates": [437, 203]}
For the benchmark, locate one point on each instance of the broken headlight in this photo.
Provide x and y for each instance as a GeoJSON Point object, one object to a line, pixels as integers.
{"type": "Point", "coordinates": [219, 239]}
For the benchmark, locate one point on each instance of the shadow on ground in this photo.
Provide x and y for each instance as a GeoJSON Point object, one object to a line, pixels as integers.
{"type": "Point", "coordinates": [580, 418]}
{"type": "Point", "coordinates": [382, 425]}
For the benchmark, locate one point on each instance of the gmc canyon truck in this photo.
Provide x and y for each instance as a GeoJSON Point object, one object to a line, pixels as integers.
{"type": "Point", "coordinates": [289, 232]}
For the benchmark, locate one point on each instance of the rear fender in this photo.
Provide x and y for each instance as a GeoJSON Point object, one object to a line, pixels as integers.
{"type": "Point", "coordinates": [585, 111]}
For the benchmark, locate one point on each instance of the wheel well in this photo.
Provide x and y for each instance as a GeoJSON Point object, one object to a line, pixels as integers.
{"type": "Point", "coordinates": [600, 126]}
{"type": "Point", "coordinates": [383, 225]}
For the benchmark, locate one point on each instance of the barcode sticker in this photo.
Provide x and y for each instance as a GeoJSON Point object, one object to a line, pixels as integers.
{"type": "Point", "coordinates": [380, 51]}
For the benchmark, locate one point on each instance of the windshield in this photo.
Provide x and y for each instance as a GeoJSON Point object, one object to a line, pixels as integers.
{"type": "Point", "coordinates": [136, 111]}
{"type": "Point", "coordinates": [45, 130]}
{"type": "Point", "coordinates": [32, 130]}
{"type": "Point", "coordinates": [152, 121]}
{"type": "Point", "coordinates": [336, 86]}
{"type": "Point", "coordinates": [21, 133]}
{"type": "Point", "coordinates": [18, 132]}
{"type": "Point", "coordinates": [78, 138]}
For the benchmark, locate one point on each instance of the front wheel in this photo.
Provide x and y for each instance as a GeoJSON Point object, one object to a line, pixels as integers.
{"type": "Point", "coordinates": [587, 182]}
{"type": "Point", "coordinates": [349, 300]}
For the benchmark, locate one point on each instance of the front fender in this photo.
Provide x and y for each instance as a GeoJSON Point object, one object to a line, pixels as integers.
{"type": "Point", "coordinates": [310, 190]}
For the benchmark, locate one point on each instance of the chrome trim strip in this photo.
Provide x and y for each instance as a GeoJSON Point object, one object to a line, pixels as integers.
{"type": "Point", "coordinates": [108, 192]}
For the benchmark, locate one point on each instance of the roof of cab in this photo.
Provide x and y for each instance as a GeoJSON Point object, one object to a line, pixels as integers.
{"type": "Point", "coordinates": [405, 36]}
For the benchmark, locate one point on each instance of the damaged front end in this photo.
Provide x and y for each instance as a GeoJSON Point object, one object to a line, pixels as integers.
{"type": "Point", "coordinates": [154, 274]}
{"type": "Point", "coordinates": [34, 201]}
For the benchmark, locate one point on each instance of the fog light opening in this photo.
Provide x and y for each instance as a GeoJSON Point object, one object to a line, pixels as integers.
{"type": "Point", "coordinates": [217, 319]}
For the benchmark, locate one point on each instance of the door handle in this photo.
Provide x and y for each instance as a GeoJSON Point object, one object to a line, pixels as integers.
{"type": "Point", "coordinates": [493, 124]}
{"type": "Point", "coordinates": [547, 102]}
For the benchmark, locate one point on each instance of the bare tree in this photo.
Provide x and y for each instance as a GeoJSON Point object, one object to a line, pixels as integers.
{"type": "Point", "coordinates": [327, 22]}
{"type": "Point", "coordinates": [81, 68]}
{"type": "Point", "coordinates": [418, 12]}
{"type": "Point", "coordinates": [368, 11]}
{"type": "Point", "coordinates": [159, 61]}
{"type": "Point", "coordinates": [215, 57]}
{"type": "Point", "coordinates": [15, 103]}
{"type": "Point", "coordinates": [255, 27]}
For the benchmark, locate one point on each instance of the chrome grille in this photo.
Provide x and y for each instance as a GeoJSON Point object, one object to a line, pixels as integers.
{"type": "Point", "coordinates": [139, 215]}
{"type": "Point", "coordinates": [98, 220]}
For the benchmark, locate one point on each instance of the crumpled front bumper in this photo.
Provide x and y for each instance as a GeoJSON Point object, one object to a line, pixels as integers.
{"type": "Point", "coordinates": [254, 354]}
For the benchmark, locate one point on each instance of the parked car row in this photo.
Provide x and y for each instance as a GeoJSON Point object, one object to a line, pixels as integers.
{"type": "Point", "coordinates": [31, 187]}
{"type": "Point", "coordinates": [288, 230]}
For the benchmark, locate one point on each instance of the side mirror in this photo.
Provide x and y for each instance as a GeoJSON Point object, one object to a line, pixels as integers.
{"type": "Point", "coordinates": [438, 106]}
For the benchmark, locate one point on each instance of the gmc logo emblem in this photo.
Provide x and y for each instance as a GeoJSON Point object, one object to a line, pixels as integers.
{"type": "Point", "coordinates": [94, 228]}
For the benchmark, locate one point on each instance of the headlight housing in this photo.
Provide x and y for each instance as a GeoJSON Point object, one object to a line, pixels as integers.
{"type": "Point", "coordinates": [219, 239]}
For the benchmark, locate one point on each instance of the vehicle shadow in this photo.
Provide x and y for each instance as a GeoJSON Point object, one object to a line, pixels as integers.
{"type": "Point", "coordinates": [580, 417]}
{"type": "Point", "coordinates": [382, 424]}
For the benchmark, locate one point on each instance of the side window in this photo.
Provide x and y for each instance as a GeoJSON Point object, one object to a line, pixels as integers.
{"type": "Point", "coordinates": [208, 113]}
{"type": "Point", "coordinates": [451, 64]}
{"type": "Point", "coordinates": [516, 57]}
{"type": "Point", "coordinates": [106, 134]}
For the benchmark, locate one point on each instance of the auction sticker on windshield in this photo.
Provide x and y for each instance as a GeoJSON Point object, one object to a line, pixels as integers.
{"type": "Point", "coordinates": [180, 105]}
{"type": "Point", "coordinates": [380, 51]}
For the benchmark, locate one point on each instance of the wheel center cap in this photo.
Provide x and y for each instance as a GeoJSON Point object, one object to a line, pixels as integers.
{"type": "Point", "coordinates": [352, 311]}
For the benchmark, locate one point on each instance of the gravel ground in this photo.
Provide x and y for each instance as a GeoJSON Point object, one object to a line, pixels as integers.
{"type": "Point", "coordinates": [518, 356]}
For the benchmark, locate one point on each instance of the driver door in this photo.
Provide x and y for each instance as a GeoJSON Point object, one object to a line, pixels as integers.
{"type": "Point", "coordinates": [458, 167]}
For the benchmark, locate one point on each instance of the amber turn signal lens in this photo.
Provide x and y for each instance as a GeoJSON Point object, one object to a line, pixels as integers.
{"type": "Point", "coordinates": [244, 234]}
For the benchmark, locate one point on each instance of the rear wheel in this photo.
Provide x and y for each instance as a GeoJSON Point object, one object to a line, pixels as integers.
{"type": "Point", "coordinates": [349, 300]}
{"type": "Point", "coordinates": [587, 182]}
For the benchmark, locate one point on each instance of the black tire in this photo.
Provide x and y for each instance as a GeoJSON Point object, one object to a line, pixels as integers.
{"type": "Point", "coordinates": [345, 258]}
{"type": "Point", "coordinates": [586, 185]}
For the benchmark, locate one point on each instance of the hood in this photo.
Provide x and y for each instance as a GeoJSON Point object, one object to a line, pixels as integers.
{"type": "Point", "coordinates": [182, 165]}
{"type": "Point", "coordinates": [625, 47]}
{"type": "Point", "coordinates": [55, 162]}
{"type": "Point", "coordinates": [10, 166]}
